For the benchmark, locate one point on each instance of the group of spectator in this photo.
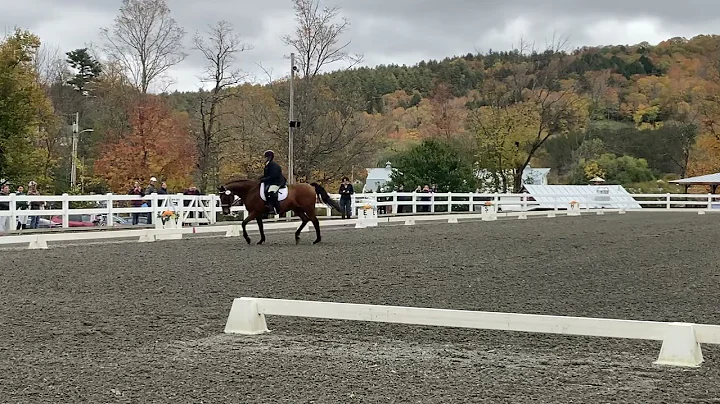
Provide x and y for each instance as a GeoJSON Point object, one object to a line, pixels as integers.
{"type": "Point", "coordinates": [152, 188]}
{"type": "Point", "coordinates": [21, 220]}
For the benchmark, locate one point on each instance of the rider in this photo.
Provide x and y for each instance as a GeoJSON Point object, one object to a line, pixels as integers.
{"type": "Point", "coordinates": [273, 180]}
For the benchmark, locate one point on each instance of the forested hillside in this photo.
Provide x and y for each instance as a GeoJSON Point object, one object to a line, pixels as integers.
{"type": "Point", "coordinates": [632, 114]}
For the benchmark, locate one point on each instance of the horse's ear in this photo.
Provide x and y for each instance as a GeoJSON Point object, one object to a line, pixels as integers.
{"type": "Point", "coordinates": [221, 188]}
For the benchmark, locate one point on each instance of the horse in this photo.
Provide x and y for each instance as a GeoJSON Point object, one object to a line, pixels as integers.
{"type": "Point", "coordinates": [300, 199]}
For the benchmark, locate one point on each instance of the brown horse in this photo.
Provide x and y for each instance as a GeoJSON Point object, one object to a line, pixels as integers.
{"type": "Point", "coordinates": [300, 199]}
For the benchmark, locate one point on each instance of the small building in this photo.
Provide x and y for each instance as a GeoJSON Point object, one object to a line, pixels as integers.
{"type": "Point", "coordinates": [710, 180]}
{"type": "Point", "coordinates": [377, 178]}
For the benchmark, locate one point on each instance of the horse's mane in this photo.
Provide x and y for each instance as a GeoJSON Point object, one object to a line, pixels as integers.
{"type": "Point", "coordinates": [239, 181]}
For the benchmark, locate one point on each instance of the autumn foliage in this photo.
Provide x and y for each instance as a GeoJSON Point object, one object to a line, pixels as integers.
{"type": "Point", "coordinates": [159, 144]}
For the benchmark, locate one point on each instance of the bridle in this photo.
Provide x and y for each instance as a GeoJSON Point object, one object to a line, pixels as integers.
{"type": "Point", "coordinates": [235, 201]}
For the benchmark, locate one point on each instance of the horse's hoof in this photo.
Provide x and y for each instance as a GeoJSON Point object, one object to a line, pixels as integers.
{"type": "Point", "coordinates": [248, 240]}
{"type": "Point", "coordinates": [316, 241]}
{"type": "Point", "coordinates": [260, 242]}
{"type": "Point", "coordinates": [297, 240]}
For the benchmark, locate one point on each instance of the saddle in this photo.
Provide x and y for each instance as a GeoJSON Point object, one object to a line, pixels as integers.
{"type": "Point", "coordinates": [282, 193]}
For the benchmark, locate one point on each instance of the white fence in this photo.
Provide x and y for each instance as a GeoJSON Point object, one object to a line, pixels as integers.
{"type": "Point", "coordinates": [85, 210]}
{"type": "Point", "coordinates": [680, 341]}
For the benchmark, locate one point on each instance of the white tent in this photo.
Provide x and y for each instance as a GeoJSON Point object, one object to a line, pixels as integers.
{"type": "Point", "coordinates": [592, 196]}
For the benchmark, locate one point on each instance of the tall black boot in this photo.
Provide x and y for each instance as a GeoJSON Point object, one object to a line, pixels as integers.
{"type": "Point", "coordinates": [274, 204]}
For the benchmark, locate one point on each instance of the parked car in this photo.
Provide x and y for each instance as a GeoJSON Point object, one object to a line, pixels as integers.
{"type": "Point", "coordinates": [76, 220]}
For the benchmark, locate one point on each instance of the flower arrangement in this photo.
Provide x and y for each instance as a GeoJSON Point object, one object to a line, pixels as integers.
{"type": "Point", "coordinates": [367, 206]}
{"type": "Point", "coordinates": [488, 204]}
{"type": "Point", "coordinates": [573, 204]}
{"type": "Point", "coordinates": [167, 215]}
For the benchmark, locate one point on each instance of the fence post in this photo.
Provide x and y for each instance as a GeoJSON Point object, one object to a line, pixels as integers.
{"type": "Point", "coordinates": [432, 202]}
{"type": "Point", "coordinates": [471, 202]}
{"type": "Point", "coordinates": [154, 207]}
{"type": "Point", "coordinates": [12, 224]}
{"type": "Point", "coordinates": [414, 203]}
{"type": "Point", "coordinates": [667, 201]}
{"type": "Point", "coordinates": [496, 202]}
{"type": "Point", "coordinates": [709, 202]}
{"type": "Point", "coordinates": [109, 221]}
{"type": "Point", "coordinates": [66, 211]}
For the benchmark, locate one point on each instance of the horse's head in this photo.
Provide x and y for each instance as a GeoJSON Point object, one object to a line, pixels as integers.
{"type": "Point", "coordinates": [226, 199]}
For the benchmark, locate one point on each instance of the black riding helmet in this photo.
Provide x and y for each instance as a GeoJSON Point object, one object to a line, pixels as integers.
{"type": "Point", "coordinates": [269, 154]}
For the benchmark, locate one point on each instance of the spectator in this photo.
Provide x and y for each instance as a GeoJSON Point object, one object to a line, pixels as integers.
{"type": "Point", "coordinates": [346, 192]}
{"type": "Point", "coordinates": [190, 191]}
{"type": "Point", "coordinates": [163, 189]}
{"type": "Point", "coordinates": [151, 189]}
{"type": "Point", "coordinates": [34, 205]}
{"type": "Point", "coordinates": [21, 219]}
{"type": "Point", "coordinates": [4, 205]}
{"type": "Point", "coordinates": [136, 190]}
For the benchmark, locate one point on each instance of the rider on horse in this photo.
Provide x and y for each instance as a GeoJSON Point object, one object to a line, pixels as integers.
{"type": "Point", "coordinates": [273, 180]}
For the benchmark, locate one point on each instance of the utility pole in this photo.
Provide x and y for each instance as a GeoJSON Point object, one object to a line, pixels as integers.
{"type": "Point", "coordinates": [75, 138]}
{"type": "Point", "coordinates": [73, 165]}
{"type": "Point", "coordinates": [291, 120]}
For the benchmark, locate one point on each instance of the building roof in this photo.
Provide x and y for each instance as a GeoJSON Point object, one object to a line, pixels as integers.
{"type": "Point", "coordinates": [709, 179]}
{"type": "Point", "coordinates": [594, 196]}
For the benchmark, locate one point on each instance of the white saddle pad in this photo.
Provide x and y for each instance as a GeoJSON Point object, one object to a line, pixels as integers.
{"type": "Point", "coordinates": [282, 193]}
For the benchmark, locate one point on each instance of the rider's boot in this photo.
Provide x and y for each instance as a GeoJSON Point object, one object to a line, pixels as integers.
{"type": "Point", "coordinates": [274, 204]}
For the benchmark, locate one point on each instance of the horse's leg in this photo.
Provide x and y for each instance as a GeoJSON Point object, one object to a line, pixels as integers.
{"type": "Point", "coordinates": [250, 217]}
{"type": "Point", "coordinates": [262, 232]}
{"type": "Point", "coordinates": [316, 224]}
{"type": "Point", "coordinates": [304, 219]}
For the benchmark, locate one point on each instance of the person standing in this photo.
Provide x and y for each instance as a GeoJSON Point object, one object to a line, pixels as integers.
{"type": "Point", "coordinates": [346, 193]}
{"type": "Point", "coordinates": [34, 205]}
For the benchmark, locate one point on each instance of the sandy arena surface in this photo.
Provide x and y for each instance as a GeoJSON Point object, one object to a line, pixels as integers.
{"type": "Point", "coordinates": [143, 322]}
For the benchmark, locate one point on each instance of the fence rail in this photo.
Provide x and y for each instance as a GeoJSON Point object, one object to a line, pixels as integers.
{"type": "Point", "coordinates": [680, 341]}
{"type": "Point", "coordinates": [88, 210]}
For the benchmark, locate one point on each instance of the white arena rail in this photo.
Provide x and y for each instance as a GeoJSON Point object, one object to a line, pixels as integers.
{"type": "Point", "coordinates": [204, 209]}
{"type": "Point", "coordinates": [680, 341]}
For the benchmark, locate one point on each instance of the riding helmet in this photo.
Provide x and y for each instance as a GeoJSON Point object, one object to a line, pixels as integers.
{"type": "Point", "coordinates": [269, 153]}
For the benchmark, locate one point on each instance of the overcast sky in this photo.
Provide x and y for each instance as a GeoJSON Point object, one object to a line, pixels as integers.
{"type": "Point", "coordinates": [385, 31]}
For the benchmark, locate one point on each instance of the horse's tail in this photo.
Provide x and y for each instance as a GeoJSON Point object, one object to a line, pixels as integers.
{"type": "Point", "coordinates": [319, 190]}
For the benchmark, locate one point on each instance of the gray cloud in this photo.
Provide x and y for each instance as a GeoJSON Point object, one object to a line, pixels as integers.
{"type": "Point", "coordinates": [385, 31]}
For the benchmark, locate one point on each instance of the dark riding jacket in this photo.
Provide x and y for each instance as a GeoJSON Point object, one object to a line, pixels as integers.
{"type": "Point", "coordinates": [273, 175]}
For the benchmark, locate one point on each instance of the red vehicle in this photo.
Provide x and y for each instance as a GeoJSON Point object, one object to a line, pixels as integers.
{"type": "Point", "coordinates": [75, 220]}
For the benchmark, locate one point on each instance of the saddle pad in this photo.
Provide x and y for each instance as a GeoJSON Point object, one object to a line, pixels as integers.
{"type": "Point", "coordinates": [282, 193]}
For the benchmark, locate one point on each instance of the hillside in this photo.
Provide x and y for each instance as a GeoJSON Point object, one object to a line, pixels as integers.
{"type": "Point", "coordinates": [630, 113]}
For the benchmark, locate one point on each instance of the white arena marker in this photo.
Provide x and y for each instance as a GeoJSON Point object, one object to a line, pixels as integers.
{"type": "Point", "coordinates": [522, 216]}
{"type": "Point", "coordinates": [410, 222]}
{"type": "Point", "coordinates": [551, 214]}
{"type": "Point", "coordinates": [452, 220]}
{"type": "Point", "coordinates": [702, 212]}
{"type": "Point", "coordinates": [233, 231]}
{"type": "Point", "coordinates": [38, 243]}
{"type": "Point", "coordinates": [680, 347]}
{"type": "Point", "coordinates": [600, 212]}
{"type": "Point", "coordinates": [244, 318]}
{"type": "Point", "coordinates": [146, 237]}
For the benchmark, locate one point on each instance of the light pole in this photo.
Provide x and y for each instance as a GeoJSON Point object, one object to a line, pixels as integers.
{"type": "Point", "coordinates": [292, 123]}
{"type": "Point", "coordinates": [75, 136]}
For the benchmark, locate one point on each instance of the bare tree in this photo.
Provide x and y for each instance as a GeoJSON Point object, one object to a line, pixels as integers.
{"type": "Point", "coordinates": [220, 50]}
{"type": "Point", "coordinates": [317, 38]}
{"type": "Point", "coordinates": [146, 41]}
{"type": "Point", "coordinates": [333, 134]}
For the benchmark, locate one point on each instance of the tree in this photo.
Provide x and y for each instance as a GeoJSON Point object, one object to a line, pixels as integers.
{"type": "Point", "coordinates": [615, 170]}
{"type": "Point", "coordinates": [159, 145]}
{"type": "Point", "coordinates": [317, 38]}
{"type": "Point", "coordinates": [145, 40]}
{"type": "Point", "coordinates": [88, 69]}
{"type": "Point", "coordinates": [334, 134]}
{"type": "Point", "coordinates": [219, 50]}
{"type": "Point", "coordinates": [433, 162]}
{"type": "Point", "coordinates": [26, 115]}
